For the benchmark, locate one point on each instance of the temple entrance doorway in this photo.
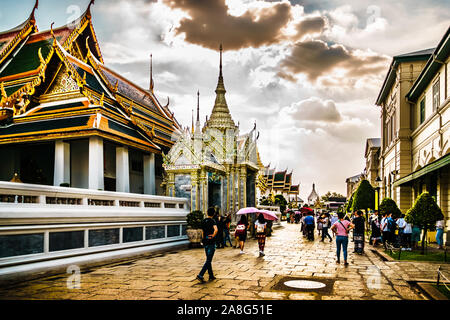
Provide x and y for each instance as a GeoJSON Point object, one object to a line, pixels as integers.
{"type": "Point", "coordinates": [214, 191]}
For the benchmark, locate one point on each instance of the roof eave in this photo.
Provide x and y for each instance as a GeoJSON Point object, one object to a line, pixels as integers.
{"type": "Point", "coordinates": [434, 62]}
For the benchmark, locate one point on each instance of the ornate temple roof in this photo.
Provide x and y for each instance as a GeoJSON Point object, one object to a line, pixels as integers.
{"type": "Point", "coordinates": [55, 84]}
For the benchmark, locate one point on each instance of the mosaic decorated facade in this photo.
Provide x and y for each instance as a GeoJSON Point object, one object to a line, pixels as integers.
{"type": "Point", "coordinates": [214, 165]}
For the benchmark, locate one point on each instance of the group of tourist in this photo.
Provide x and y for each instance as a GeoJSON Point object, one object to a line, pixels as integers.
{"type": "Point", "coordinates": [384, 228]}
{"type": "Point", "coordinates": [216, 233]}
{"type": "Point", "coordinates": [395, 231]}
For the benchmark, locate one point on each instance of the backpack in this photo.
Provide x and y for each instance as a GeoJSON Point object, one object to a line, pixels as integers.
{"type": "Point", "coordinates": [392, 226]}
{"type": "Point", "coordinates": [240, 229]}
{"type": "Point", "coordinates": [260, 228]}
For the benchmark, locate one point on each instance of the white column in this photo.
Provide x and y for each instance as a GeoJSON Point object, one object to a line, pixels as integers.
{"type": "Point", "coordinates": [122, 170]}
{"type": "Point", "coordinates": [62, 163]}
{"type": "Point", "coordinates": [149, 174]}
{"type": "Point", "coordinates": [96, 179]}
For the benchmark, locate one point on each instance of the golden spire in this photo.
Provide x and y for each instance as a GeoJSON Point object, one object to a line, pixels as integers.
{"type": "Point", "coordinates": [198, 106]}
{"type": "Point", "coordinates": [220, 116]}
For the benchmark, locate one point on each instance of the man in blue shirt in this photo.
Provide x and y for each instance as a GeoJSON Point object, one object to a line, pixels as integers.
{"type": "Point", "coordinates": [309, 221]}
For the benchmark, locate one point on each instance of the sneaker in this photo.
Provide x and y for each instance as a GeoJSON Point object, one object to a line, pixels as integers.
{"type": "Point", "coordinates": [261, 254]}
{"type": "Point", "coordinates": [212, 278]}
{"type": "Point", "coordinates": [337, 261]}
{"type": "Point", "coordinates": [200, 278]}
{"type": "Point", "coordinates": [345, 263]}
{"type": "Point", "coordinates": [242, 252]}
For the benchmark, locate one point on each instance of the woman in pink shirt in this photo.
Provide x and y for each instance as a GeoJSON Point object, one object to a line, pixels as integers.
{"type": "Point", "coordinates": [341, 229]}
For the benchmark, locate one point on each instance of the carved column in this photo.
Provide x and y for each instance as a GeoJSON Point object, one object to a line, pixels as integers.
{"type": "Point", "coordinates": [243, 188]}
{"type": "Point", "coordinates": [194, 191]}
{"type": "Point", "coordinates": [171, 185]}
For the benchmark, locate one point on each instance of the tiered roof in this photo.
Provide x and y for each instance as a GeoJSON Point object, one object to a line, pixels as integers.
{"type": "Point", "coordinates": [280, 181]}
{"type": "Point", "coordinates": [54, 84]}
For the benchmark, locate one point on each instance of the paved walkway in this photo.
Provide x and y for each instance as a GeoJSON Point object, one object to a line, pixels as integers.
{"type": "Point", "coordinates": [172, 275]}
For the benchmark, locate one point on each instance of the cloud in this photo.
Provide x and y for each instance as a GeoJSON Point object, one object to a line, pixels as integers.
{"type": "Point", "coordinates": [310, 25]}
{"type": "Point", "coordinates": [315, 109]}
{"type": "Point", "coordinates": [210, 23]}
{"type": "Point", "coordinates": [316, 58]}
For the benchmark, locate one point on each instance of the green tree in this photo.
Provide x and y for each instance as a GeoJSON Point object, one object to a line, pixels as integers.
{"type": "Point", "coordinates": [329, 194]}
{"type": "Point", "coordinates": [281, 201]}
{"type": "Point", "coordinates": [424, 213]}
{"type": "Point", "coordinates": [348, 205]}
{"type": "Point", "coordinates": [364, 197]}
{"type": "Point", "coordinates": [194, 219]}
{"type": "Point", "coordinates": [389, 206]}
{"type": "Point", "coordinates": [265, 201]}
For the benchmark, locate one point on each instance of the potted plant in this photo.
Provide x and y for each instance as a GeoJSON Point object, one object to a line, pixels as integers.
{"type": "Point", "coordinates": [424, 213]}
{"type": "Point", "coordinates": [194, 229]}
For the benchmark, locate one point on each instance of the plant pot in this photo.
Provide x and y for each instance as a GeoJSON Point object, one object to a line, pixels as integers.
{"type": "Point", "coordinates": [195, 237]}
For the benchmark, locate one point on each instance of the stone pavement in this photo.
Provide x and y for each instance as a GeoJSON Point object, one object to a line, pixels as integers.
{"type": "Point", "coordinates": [171, 275]}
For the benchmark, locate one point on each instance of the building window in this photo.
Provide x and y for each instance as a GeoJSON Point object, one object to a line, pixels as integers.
{"type": "Point", "coordinates": [173, 231]}
{"type": "Point", "coordinates": [103, 237]}
{"type": "Point", "coordinates": [155, 232]}
{"type": "Point", "coordinates": [422, 111]}
{"type": "Point", "coordinates": [133, 234]}
{"type": "Point", "coordinates": [21, 244]}
{"type": "Point", "coordinates": [66, 240]}
{"type": "Point", "coordinates": [436, 88]}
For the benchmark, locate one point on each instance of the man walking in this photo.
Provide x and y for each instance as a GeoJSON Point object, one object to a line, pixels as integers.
{"type": "Point", "coordinates": [209, 232]}
{"type": "Point", "coordinates": [309, 221]}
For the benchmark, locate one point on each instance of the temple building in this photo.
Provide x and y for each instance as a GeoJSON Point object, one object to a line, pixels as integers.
{"type": "Point", "coordinates": [67, 119]}
{"type": "Point", "coordinates": [280, 182]}
{"type": "Point", "coordinates": [214, 165]}
{"type": "Point", "coordinates": [313, 196]}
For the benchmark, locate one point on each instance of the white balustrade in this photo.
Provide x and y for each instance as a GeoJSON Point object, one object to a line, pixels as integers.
{"type": "Point", "coordinates": [41, 223]}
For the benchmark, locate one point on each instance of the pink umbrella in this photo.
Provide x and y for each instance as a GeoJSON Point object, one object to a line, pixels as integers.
{"type": "Point", "coordinates": [269, 215]}
{"type": "Point", "coordinates": [247, 210]}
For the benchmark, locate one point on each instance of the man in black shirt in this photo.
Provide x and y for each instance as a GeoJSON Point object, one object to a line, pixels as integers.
{"type": "Point", "coordinates": [209, 230]}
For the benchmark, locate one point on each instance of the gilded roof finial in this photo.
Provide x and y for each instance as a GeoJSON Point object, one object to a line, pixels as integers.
{"type": "Point", "coordinates": [152, 85]}
{"type": "Point", "coordinates": [51, 30]}
{"type": "Point", "coordinates": [88, 10]}
{"type": "Point", "coordinates": [36, 5]}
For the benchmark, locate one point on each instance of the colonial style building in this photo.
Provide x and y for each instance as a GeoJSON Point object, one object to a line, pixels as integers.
{"type": "Point", "coordinates": [353, 183]}
{"type": "Point", "coordinates": [415, 148]}
{"type": "Point", "coordinates": [67, 119]}
{"type": "Point", "coordinates": [372, 155]}
{"type": "Point", "coordinates": [214, 165]}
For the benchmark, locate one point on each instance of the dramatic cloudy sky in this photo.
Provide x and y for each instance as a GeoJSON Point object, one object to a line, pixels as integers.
{"type": "Point", "coordinates": [307, 71]}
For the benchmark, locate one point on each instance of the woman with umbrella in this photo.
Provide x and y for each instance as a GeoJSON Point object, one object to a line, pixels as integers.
{"type": "Point", "coordinates": [260, 226]}
{"type": "Point", "coordinates": [242, 226]}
